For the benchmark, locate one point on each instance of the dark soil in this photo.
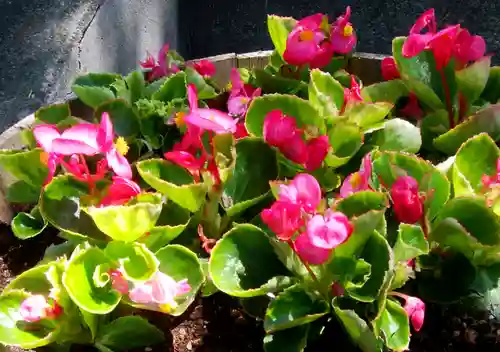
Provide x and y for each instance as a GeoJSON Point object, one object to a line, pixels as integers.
{"type": "Point", "coordinates": [218, 323]}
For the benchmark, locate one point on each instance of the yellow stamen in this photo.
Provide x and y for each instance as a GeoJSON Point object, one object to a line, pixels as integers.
{"type": "Point", "coordinates": [179, 119]}
{"type": "Point", "coordinates": [168, 307]}
{"type": "Point", "coordinates": [348, 30]}
{"type": "Point", "coordinates": [121, 146]}
{"type": "Point", "coordinates": [355, 180]}
{"type": "Point", "coordinates": [306, 36]}
{"type": "Point", "coordinates": [44, 158]}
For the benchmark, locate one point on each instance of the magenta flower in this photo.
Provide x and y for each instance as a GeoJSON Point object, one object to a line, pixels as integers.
{"type": "Point", "coordinates": [36, 308]}
{"type": "Point", "coordinates": [468, 47]}
{"type": "Point", "coordinates": [489, 181]}
{"type": "Point", "coordinates": [308, 44]}
{"type": "Point", "coordinates": [309, 252]}
{"type": "Point", "coordinates": [412, 109]}
{"type": "Point", "coordinates": [317, 149]}
{"type": "Point", "coordinates": [114, 152]}
{"type": "Point", "coordinates": [352, 95]}
{"type": "Point", "coordinates": [206, 68]}
{"type": "Point", "coordinates": [408, 206]}
{"type": "Point", "coordinates": [118, 281]}
{"type": "Point", "coordinates": [159, 292]}
{"type": "Point", "coordinates": [208, 119]}
{"type": "Point", "coordinates": [330, 230]}
{"type": "Point", "coordinates": [158, 69]}
{"type": "Point", "coordinates": [415, 309]}
{"type": "Point", "coordinates": [186, 160]}
{"type": "Point", "coordinates": [343, 37]}
{"type": "Point", "coordinates": [304, 190]}
{"type": "Point", "coordinates": [241, 95]}
{"type": "Point", "coordinates": [120, 192]}
{"type": "Point", "coordinates": [283, 218]}
{"type": "Point", "coordinates": [389, 69]}
{"type": "Point", "coordinates": [358, 181]}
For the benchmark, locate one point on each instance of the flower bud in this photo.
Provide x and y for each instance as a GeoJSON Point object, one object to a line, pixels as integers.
{"type": "Point", "coordinates": [408, 205]}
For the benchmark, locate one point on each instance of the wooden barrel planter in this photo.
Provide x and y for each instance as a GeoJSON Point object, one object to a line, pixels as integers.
{"type": "Point", "coordinates": [364, 65]}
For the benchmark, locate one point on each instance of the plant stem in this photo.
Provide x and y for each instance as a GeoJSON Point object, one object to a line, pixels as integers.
{"type": "Point", "coordinates": [425, 228]}
{"type": "Point", "coordinates": [447, 98]}
{"type": "Point", "coordinates": [311, 272]}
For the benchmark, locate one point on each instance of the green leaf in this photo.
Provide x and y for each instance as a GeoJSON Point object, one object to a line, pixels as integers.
{"type": "Point", "coordinates": [389, 91]}
{"type": "Point", "coordinates": [378, 254]}
{"type": "Point", "coordinates": [410, 243]}
{"type": "Point", "coordinates": [14, 331]}
{"type": "Point", "coordinates": [225, 155]}
{"type": "Point", "coordinates": [476, 157]}
{"type": "Point", "coordinates": [399, 135]}
{"type": "Point", "coordinates": [472, 80]}
{"type": "Point", "coordinates": [289, 340]}
{"type": "Point", "coordinates": [123, 117]}
{"type": "Point", "coordinates": [432, 126]}
{"type": "Point", "coordinates": [53, 114]}
{"type": "Point", "coordinates": [126, 333]}
{"type": "Point", "coordinates": [127, 222]}
{"type": "Point", "coordinates": [172, 221]}
{"type": "Point", "coordinates": [485, 120]}
{"type": "Point", "coordinates": [389, 165]}
{"type": "Point", "coordinates": [417, 73]}
{"type": "Point", "coordinates": [91, 321]}
{"type": "Point", "coordinates": [348, 271]}
{"type": "Point", "coordinates": [25, 166]}
{"type": "Point", "coordinates": [491, 93]}
{"type": "Point", "coordinates": [205, 90]}
{"type": "Point", "coordinates": [60, 206]}
{"type": "Point", "coordinates": [173, 88]}
{"type": "Point", "coordinates": [345, 140]}
{"type": "Point", "coordinates": [256, 165]}
{"type": "Point", "coordinates": [361, 202]}
{"type": "Point", "coordinates": [367, 115]}
{"type": "Point", "coordinates": [274, 83]}
{"type": "Point", "coordinates": [87, 281]}
{"type": "Point", "coordinates": [325, 93]}
{"type": "Point", "coordinates": [394, 324]}
{"type": "Point", "coordinates": [136, 85]}
{"type": "Point", "coordinates": [279, 28]}
{"type": "Point", "coordinates": [174, 181]}
{"type": "Point", "coordinates": [357, 329]}
{"type": "Point", "coordinates": [22, 192]}
{"type": "Point", "coordinates": [208, 286]}
{"type": "Point", "coordinates": [233, 267]}
{"type": "Point", "coordinates": [137, 262]}
{"type": "Point", "coordinates": [180, 263]}
{"type": "Point", "coordinates": [293, 307]}
{"type": "Point", "coordinates": [28, 225]}
{"type": "Point", "coordinates": [290, 105]}
{"type": "Point", "coordinates": [100, 79]}
{"type": "Point", "coordinates": [93, 96]}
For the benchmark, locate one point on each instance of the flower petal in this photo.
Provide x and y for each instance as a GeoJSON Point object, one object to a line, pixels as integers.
{"type": "Point", "coordinates": [310, 253]}
{"type": "Point", "coordinates": [119, 164]}
{"type": "Point", "coordinates": [44, 135]}
{"type": "Point", "coordinates": [69, 147]}
{"type": "Point", "coordinates": [106, 133]}
{"type": "Point", "coordinates": [192, 97]}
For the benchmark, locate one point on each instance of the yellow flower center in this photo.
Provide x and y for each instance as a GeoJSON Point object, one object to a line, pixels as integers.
{"type": "Point", "coordinates": [44, 158]}
{"type": "Point", "coordinates": [179, 119]}
{"type": "Point", "coordinates": [306, 35]}
{"type": "Point", "coordinates": [348, 30]}
{"type": "Point", "coordinates": [355, 180]}
{"type": "Point", "coordinates": [121, 146]}
{"type": "Point", "coordinates": [168, 307]}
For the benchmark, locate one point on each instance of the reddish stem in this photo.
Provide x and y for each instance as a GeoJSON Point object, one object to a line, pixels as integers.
{"type": "Point", "coordinates": [90, 181]}
{"type": "Point", "coordinates": [206, 243]}
{"type": "Point", "coordinates": [425, 228]}
{"type": "Point", "coordinates": [447, 98]}
{"type": "Point", "coordinates": [313, 275]}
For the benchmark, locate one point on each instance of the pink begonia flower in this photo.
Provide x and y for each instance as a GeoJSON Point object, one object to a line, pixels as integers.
{"type": "Point", "coordinates": [317, 149]}
{"type": "Point", "coordinates": [158, 69]}
{"type": "Point", "coordinates": [343, 36]}
{"type": "Point", "coordinates": [352, 95]}
{"type": "Point", "coordinates": [115, 159]}
{"type": "Point", "coordinates": [488, 180]}
{"type": "Point", "coordinates": [36, 308]}
{"type": "Point", "coordinates": [415, 309]}
{"type": "Point", "coordinates": [159, 292]}
{"type": "Point", "coordinates": [241, 131]}
{"type": "Point", "coordinates": [241, 95]}
{"type": "Point", "coordinates": [118, 281]}
{"type": "Point", "coordinates": [186, 160]}
{"type": "Point", "coordinates": [283, 218]}
{"type": "Point", "coordinates": [468, 48]}
{"type": "Point", "coordinates": [408, 206]}
{"type": "Point", "coordinates": [206, 68]}
{"type": "Point", "coordinates": [120, 191]}
{"type": "Point", "coordinates": [308, 43]}
{"type": "Point", "coordinates": [304, 190]}
{"type": "Point", "coordinates": [78, 167]}
{"type": "Point", "coordinates": [329, 230]}
{"type": "Point", "coordinates": [208, 119]}
{"type": "Point", "coordinates": [358, 181]}
{"type": "Point", "coordinates": [310, 253]}
{"type": "Point", "coordinates": [389, 69]}
{"type": "Point", "coordinates": [412, 109]}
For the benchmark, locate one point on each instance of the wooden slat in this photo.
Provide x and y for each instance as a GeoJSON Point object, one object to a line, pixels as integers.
{"type": "Point", "coordinates": [223, 64]}
{"type": "Point", "coordinates": [257, 59]}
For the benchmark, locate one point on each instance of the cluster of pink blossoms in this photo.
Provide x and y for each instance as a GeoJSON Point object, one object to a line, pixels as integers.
{"type": "Point", "coordinates": [295, 218]}
{"type": "Point", "coordinates": [157, 293]}
{"type": "Point", "coordinates": [313, 41]}
{"type": "Point", "coordinates": [37, 307]}
{"type": "Point", "coordinates": [70, 147]}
